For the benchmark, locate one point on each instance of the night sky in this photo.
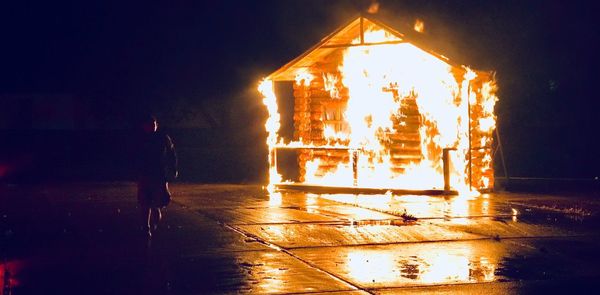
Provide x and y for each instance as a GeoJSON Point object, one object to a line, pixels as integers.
{"type": "Point", "coordinates": [150, 53]}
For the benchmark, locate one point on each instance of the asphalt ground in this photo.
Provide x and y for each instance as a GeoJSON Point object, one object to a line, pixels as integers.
{"type": "Point", "coordinates": [84, 238]}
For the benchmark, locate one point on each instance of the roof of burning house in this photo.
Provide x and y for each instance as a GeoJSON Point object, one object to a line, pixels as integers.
{"type": "Point", "coordinates": [352, 34]}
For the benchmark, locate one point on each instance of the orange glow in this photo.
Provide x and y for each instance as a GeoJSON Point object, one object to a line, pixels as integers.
{"type": "Point", "coordinates": [272, 126]}
{"type": "Point", "coordinates": [515, 213]}
{"type": "Point", "coordinates": [444, 267]}
{"type": "Point", "coordinates": [370, 266]}
{"type": "Point", "coordinates": [454, 209]}
{"type": "Point", "coordinates": [275, 199]}
{"type": "Point", "coordinates": [432, 265]}
{"type": "Point", "coordinates": [331, 82]}
{"type": "Point", "coordinates": [366, 70]}
{"type": "Point", "coordinates": [304, 77]}
{"type": "Point", "coordinates": [419, 26]}
{"type": "Point", "coordinates": [400, 107]}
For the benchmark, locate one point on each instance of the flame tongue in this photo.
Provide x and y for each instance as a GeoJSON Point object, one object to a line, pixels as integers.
{"type": "Point", "coordinates": [381, 81]}
{"type": "Point", "coordinates": [272, 126]}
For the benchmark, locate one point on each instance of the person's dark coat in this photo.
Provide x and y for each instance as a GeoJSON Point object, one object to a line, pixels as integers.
{"type": "Point", "coordinates": [156, 163]}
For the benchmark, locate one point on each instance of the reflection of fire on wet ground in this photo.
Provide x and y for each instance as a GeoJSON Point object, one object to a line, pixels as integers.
{"type": "Point", "coordinates": [475, 261]}
{"type": "Point", "coordinates": [234, 239]}
{"type": "Point", "coordinates": [412, 208]}
{"type": "Point", "coordinates": [414, 264]}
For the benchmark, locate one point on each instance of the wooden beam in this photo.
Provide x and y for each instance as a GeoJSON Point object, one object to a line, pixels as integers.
{"type": "Point", "coordinates": [361, 190]}
{"type": "Point", "coordinates": [273, 75]}
{"type": "Point", "coordinates": [362, 31]}
{"type": "Point", "coordinates": [362, 44]}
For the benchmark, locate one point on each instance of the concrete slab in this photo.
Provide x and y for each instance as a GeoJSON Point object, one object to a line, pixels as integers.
{"type": "Point", "coordinates": [554, 259]}
{"type": "Point", "coordinates": [358, 292]}
{"type": "Point", "coordinates": [582, 286]}
{"type": "Point", "coordinates": [501, 228]}
{"type": "Point", "coordinates": [460, 262]}
{"type": "Point", "coordinates": [491, 288]}
{"type": "Point", "coordinates": [315, 235]}
{"type": "Point", "coordinates": [264, 215]}
{"type": "Point", "coordinates": [84, 235]}
{"type": "Point", "coordinates": [428, 206]}
{"type": "Point", "coordinates": [219, 196]}
{"type": "Point", "coordinates": [350, 212]}
{"type": "Point", "coordinates": [192, 234]}
{"type": "Point", "coordinates": [256, 272]}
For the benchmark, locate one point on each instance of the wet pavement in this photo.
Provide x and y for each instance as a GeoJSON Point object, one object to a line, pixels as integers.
{"type": "Point", "coordinates": [83, 238]}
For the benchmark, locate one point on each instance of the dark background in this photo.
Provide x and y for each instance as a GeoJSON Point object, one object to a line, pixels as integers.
{"type": "Point", "coordinates": [75, 74]}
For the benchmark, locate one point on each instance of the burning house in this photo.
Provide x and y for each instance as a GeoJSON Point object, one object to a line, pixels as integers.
{"type": "Point", "coordinates": [374, 110]}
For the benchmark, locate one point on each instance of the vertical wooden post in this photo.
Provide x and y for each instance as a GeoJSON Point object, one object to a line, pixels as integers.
{"type": "Point", "coordinates": [362, 31]}
{"type": "Point", "coordinates": [272, 162]}
{"type": "Point", "coordinates": [446, 162]}
{"type": "Point", "coordinates": [469, 126]}
{"type": "Point", "coordinates": [355, 166]}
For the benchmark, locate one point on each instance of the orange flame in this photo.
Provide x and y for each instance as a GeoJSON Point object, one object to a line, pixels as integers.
{"type": "Point", "coordinates": [304, 77]}
{"type": "Point", "coordinates": [272, 127]}
{"type": "Point", "coordinates": [419, 26]}
{"type": "Point", "coordinates": [385, 85]}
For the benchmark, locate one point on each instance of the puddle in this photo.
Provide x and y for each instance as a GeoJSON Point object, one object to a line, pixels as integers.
{"type": "Point", "coordinates": [434, 266]}
{"type": "Point", "coordinates": [419, 264]}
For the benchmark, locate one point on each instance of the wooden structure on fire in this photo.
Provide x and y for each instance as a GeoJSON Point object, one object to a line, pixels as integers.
{"type": "Point", "coordinates": [315, 108]}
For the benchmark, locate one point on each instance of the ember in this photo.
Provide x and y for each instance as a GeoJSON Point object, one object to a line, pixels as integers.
{"type": "Point", "coordinates": [373, 110]}
{"type": "Point", "coordinates": [419, 26]}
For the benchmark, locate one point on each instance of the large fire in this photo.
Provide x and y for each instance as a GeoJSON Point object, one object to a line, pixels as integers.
{"type": "Point", "coordinates": [401, 107]}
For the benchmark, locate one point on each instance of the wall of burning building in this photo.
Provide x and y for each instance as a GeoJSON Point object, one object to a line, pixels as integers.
{"type": "Point", "coordinates": [380, 111]}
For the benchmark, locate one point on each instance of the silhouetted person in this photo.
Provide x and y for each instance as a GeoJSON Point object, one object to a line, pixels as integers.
{"type": "Point", "coordinates": [156, 165]}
